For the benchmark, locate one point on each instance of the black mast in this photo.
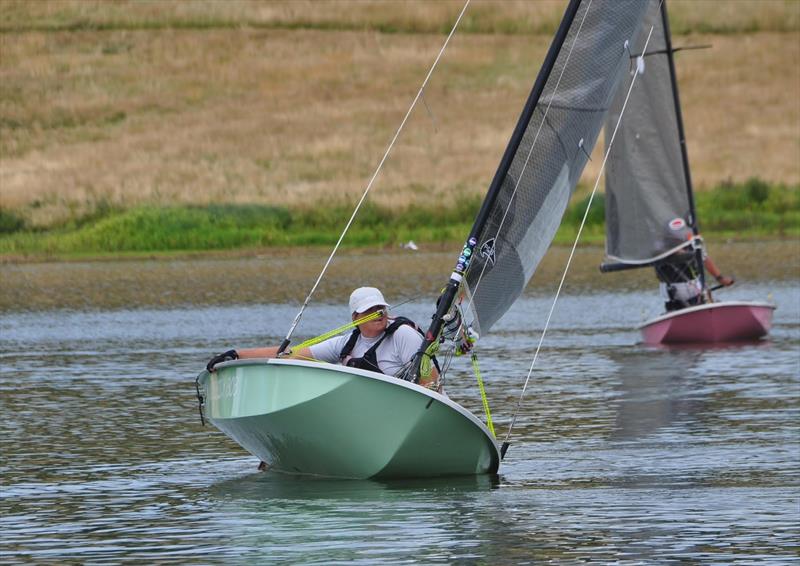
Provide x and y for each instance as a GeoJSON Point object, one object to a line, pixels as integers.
{"type": "Point", "coordinates": [682, 137]}
{"type": "Point", "coordinates": [451, 290]}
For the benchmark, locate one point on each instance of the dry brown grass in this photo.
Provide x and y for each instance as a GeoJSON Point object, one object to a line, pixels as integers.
{"type": "Point", "coordinates": [302, 117]}
{"type": "Point", "coordinates": [415, 16]}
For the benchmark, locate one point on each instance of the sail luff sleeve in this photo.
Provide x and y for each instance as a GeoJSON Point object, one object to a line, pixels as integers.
{"type": "Point", "coordinates": [530, 194]}
{"type": "Point", "coordinates": [682, 140]}
{"type": "Point", "coordinates": [678, 116]}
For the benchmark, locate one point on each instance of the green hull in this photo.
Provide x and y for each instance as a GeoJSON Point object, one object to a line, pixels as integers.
{"type": "Point", "coordinates": [329, 420]}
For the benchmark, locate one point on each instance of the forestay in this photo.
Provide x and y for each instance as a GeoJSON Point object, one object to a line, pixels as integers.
{"type": "Point", "coordinates": [646, 185]}
{"type": "Point", "coordinates": [548, 151]}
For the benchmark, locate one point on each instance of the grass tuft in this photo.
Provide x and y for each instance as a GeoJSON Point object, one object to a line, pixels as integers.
{"type": "Point", "coordinates": [10, 222]}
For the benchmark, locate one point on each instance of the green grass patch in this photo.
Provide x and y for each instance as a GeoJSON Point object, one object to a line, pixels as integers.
{"type": "Point", "coordinates": [227, 227]}
{"type": "Point", "coordinates": [10, 222]}
{"type": "Point", "coordinates": [750, 209]}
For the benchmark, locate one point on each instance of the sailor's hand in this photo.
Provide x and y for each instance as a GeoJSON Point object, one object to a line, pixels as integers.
{"type": "Point", "coordinates": [219, 358]}
{"type": "Point", "coordinates": [727, 281]}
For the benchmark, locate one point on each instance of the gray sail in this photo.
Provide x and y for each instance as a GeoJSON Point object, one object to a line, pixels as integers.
{"type": "Point", "coordinates": [645, 181]}
{"type": "Point", "coordinates": [542, 165]}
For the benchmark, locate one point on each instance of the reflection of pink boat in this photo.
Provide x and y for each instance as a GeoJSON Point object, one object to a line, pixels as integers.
{"type": "Point", "coordinates": [727, 321]}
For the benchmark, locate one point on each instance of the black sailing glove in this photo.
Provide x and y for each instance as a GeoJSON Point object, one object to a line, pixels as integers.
{"type": "Point", "coordinates": [219, 358]}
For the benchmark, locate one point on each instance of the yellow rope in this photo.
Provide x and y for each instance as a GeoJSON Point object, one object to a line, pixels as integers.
{"type": "Point", "coordinates": [335, 331]}
{"type": "Point", "coordinates": [426, 364]}
{"type": "Point", "coordinates": [483, 394]}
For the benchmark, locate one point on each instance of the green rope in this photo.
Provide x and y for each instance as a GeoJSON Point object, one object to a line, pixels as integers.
{"type": "Point", "coordinates": [483, 393]}
{"type": "Point", "coordinates": [335, 331]}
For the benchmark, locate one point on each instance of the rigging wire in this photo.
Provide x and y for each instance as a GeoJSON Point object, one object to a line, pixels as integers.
{"type": "Point", "coordinates": [574, 246]}
{"type": "Point", "coordinates": [371, 181]}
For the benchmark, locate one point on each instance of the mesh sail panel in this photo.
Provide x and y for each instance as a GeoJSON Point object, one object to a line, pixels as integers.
{"type": "Point", "coordinates": [645, 184]}
{"type": "Point", "coordinates": [548, 162]}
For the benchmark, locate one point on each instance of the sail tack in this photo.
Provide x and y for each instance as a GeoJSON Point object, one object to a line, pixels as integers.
{"type": "Point", "coordinates": [548, 151]}
{"type": "Point", "coordinates": [646, 186]}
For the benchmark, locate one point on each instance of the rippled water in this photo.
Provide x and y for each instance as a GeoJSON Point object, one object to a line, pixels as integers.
{"type": "Point", "coordinates": [621, 452]}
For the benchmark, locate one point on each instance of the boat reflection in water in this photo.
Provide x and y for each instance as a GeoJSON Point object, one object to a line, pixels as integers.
{"type": "Point", "coordinates": [655, 391]}
{"type": "Point", "coordinates": [259, 487]}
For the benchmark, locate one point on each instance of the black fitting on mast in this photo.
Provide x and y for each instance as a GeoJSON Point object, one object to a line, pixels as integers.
{"type": "Point", "coordinates": [283, 346]}
{"type": "Point", "coordinates": [445, 302]}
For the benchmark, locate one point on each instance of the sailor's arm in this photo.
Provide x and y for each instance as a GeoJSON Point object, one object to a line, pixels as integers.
{"type": "Point", "coordinates": [255, 353]}
{"type": "Point", "coordinates": [714, 270]}
{"type": "Point", "coordinates": [272, 352]}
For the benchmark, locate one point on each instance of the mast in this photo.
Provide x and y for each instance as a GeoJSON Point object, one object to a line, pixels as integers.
{"type": "Point", "coordinates": [682, 139]}
{"type": "Point", "coordinates": [451, 290]}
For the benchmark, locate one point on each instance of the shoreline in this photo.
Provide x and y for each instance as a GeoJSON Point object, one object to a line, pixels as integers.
{"type": "Point", "coordinates": [288, 251]}
{"type": "Point", "coordinates": [751, 211]}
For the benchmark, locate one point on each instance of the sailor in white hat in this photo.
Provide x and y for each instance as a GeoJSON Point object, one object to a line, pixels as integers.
{"type": "Point", "coordinates": [382, 344]}
{"type": "Point", "coordinates": [678, 273]}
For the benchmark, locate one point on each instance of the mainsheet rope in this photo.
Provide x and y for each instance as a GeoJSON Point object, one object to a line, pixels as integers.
{"type": "Point", "coordinates": [575, 244]}
{"type": "Point", "coordinates": [331, 333]}
{"type": "Point", "coordinates": [372, 180]}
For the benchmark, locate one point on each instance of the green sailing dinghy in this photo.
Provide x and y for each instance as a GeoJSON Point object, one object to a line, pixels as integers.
{"type": "Point", "coordinates": [335, 421]}
{"type": "Point", "coordinates": [306, 417]}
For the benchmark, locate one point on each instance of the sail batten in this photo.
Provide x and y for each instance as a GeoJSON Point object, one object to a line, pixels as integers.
{"type": "Point", "coordinates": [548, 151]}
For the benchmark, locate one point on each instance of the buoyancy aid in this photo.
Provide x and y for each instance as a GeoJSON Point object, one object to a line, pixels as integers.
{"type": "Point", "coordinates": [678, 269]}
{"type": "Point", "coordinates": [369, 361]}
{"type": "Point", "coordinates": [680, 284]}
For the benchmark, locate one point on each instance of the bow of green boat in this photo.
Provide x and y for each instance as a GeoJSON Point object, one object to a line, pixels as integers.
{"type": "Point", "coordinates": [329, 420]}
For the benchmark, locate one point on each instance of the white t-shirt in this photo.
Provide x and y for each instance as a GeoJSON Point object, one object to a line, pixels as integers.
{"type": "Point", "coordinates": [392, 354]}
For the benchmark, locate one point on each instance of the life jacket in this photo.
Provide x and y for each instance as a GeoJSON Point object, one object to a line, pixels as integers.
{"type": "Point", "coordinates": [369, 361]}
{"type": "Point", "coordinates": [677, 269]}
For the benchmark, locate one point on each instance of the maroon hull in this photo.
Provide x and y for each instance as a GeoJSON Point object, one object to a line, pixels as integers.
{"type": "Point", "coordinates": [715, 322]}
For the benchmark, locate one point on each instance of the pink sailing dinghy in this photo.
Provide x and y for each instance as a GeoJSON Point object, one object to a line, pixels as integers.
{"type": "Point", "coordinates": [727, 321]}
{"type": "Point", "coordinates": [649, 204]}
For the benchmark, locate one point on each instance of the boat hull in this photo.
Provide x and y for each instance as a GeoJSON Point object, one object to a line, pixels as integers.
{"type": "Point", "coordinates": [727, 321]}
{"type": "Point", "coordinates": [328, 420]}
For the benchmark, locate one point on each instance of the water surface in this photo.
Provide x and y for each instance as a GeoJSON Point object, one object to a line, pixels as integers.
{"type": "Point", "coordinates": [621, 452]}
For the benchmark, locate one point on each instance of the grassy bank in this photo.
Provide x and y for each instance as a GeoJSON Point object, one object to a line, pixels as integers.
{"type": "Point", "coordinates": [742, 211]}
{"type": "Point", "coordinates": [745, 211]}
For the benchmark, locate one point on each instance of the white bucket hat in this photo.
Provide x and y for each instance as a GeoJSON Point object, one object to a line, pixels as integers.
{"type": "Point", "coordinates": [365, 298]}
